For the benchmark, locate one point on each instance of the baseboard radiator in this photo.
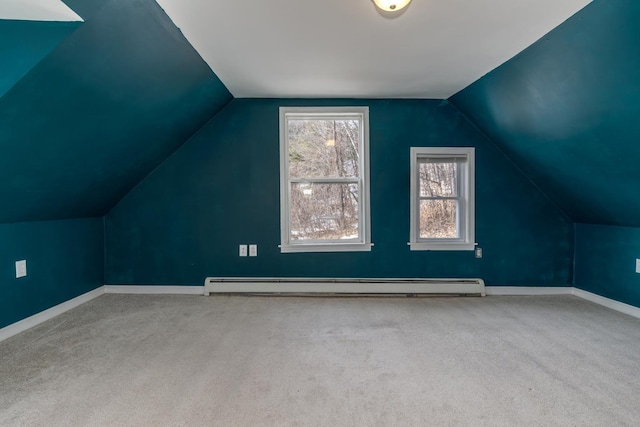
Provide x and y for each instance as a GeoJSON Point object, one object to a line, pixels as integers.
{"type": "Point", "coordinates": [346, 286]}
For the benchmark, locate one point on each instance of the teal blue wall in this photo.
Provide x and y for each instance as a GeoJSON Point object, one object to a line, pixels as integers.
{"type": "Point", "coordinates": [101, 111]}
{"type": "Point", "coordinates": [24, 43]}
{"type": "Point", "coordinates": [605, 261]}
{"type": "Point", "coordinates": [64, 259]}
{"type": "Point", "coordinates": [184, 222]}
{"type": "Point", "coordinates": [567, 111]}
{"type": "Point", "coordinates": [93, 109]}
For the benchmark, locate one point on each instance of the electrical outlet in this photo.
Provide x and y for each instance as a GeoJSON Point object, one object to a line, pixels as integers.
{"type": "Point", "coordinates": [21, 268]}
{"type": "Point", "coordinates": [478, 252]}
{"type": "Point", "coordinates": [637, 265]}
{"type": "Point", "coordinates": [243, 250]}
{"type": "Point", "coordinates": [253, 250]}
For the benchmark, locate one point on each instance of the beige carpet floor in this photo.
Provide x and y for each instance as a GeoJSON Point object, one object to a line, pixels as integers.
{"type": "Point", "coordinates": [142, 360]}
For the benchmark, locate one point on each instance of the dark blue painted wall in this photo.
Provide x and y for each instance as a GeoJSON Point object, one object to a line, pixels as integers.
{"type": "Point", "coordinates": [605, 261]}
{"type": "Point", "coordinates": [567, 111]}
{"type": "Point", "coordinates": [24, 43]}
{"type": "Point", "coordinates": [184, 222]}
{"type": "Point", "coordinates": [64, 259]}
{"type": "Point", "coordinates": [101, 111]}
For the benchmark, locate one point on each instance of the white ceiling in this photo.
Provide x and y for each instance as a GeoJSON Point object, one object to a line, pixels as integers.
{"type": "Point", "coordinates": [345, 48]}
{"type": "Point", "coordinates": [36, 10]}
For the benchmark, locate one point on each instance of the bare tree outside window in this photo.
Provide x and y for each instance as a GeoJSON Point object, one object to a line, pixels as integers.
{"type": "Point", "coordinates": [324, 179]}
{"type": "Point", "coordinates": [442, 198]}
{"type": "Point", "coordinates": [438, 199]}
{"type": "Point", "coordinates": [324, 163]}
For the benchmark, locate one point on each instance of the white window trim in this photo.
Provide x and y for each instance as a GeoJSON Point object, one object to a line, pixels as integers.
{"type": "Point", "coordinates": [467, 241]}
{"type": "Point", "coordinates": [364, 217]}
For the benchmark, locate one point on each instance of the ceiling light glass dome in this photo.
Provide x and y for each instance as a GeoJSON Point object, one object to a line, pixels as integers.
{"type": "Point", "coordinates": [391, 5]}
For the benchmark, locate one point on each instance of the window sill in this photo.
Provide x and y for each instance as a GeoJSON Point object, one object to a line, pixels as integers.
{"type": "Point", "coordinates": [422, 246]}
{"type": "Point", "coordinates": [328, 247]}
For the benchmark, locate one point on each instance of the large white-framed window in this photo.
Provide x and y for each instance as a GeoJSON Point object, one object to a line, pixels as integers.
{"type": "Point", "coordinates": [442, 198]}
{"type": "Point", "coordinates": [324, 179]}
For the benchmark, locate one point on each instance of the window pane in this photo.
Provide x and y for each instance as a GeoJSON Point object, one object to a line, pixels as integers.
{"type": "Point", "coordinates": [438, 219]}
{"type": "Point", "coordinates": [323, 148]}
{"type": "Point", "coordinates": [438, 179]}
{"type": "Point", "coordinates": [324, 211]}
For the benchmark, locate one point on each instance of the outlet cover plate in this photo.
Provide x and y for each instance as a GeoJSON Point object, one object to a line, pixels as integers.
{"type": "Point", "coordinates": [243, 250]}
{"type": "Point", "coordinates": [253, 250]}
{"type": "Point", "coordinates": [637, 265]}
{"type": "Point", "coordinates": [21, 268]}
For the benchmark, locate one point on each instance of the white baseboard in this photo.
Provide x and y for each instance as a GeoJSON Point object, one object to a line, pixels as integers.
{"type": "Point", "coordinates": [43, 316]}
{"type": "Point", "coordinates": [589, 296]}
{"type": "Point", "coordinates": [154, 290]}
{"type": "Point", "coordinates": [607, 302]}
{"type": "Point", "coordinates": [52, 312]}
{"type": "Point", "coordinates": [528, 290]}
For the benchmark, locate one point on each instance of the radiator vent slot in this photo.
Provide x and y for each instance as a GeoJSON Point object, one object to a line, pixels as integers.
{"type": "Point", "coordinates": [301, 286]}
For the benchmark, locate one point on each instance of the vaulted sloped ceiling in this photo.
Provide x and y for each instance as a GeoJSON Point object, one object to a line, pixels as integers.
{"type": "Point", "coordinates": [105, 101]}
{"type": "Point", "coordinates": [25, 43]}
{"type": "Point", "coordinates": [567, 110]}
{"type": "Point", "coordinates": [103, 109]}
{"type": "Point", "coordinates": [29, 30]}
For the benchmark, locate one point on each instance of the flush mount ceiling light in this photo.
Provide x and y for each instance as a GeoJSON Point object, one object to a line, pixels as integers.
{"type": "Point", "coordinates": [391, 5]}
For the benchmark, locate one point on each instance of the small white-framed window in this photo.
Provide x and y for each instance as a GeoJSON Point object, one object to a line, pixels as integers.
{"type": "Point", "coordinates": [324, 179]}
{"type": "Point", "coordinates": [442, 198]}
